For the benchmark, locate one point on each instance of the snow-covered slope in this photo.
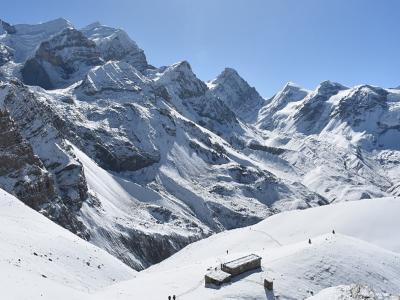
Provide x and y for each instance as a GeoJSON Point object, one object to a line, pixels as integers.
{"type": "Point", "coordinates": [113, 77]}
{"type": "Point", "coordinates": [342, 142]}
{"type": "Point", "coordinates": [361, 256]}
{"type": "Point", "coordinates": [41, 260]}
{"type": "Point", "coordinates": [351, 292]}
{"type": "Point", "coordinates": [146, 221]}
{"type": "Point", "coordinates": [269, 116]}
{"type": "Point", "coordinates": [161, 131]}
{"type": "Point", "coordinates": [25, 38]}
{"type": "Point", "coordinates": [363, 250]}
{"type": "Point", "coordinates": [133, 157]}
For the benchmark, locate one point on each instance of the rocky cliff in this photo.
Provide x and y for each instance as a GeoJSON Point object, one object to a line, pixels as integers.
{"type": "Point", "coordinates": [142, 160]}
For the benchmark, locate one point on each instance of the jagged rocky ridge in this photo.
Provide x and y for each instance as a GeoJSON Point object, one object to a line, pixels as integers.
{"type": "Point", "coordinates": [142, 160]}
{"type": "Point", "coordinates": [22, 171]}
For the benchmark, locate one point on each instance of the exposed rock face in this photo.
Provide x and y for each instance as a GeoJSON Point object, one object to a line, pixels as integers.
{"type": "Point", "coordinates": [148, 128]}
{"type": "Point", "coordinates": [313, 114]}
{"type": "Point", "coordinates": [39, 125]}
{"type": "Point", "coordinates": [34, 73]}
{"type": "Point", "coordinates": [181, 82]}
{"type": "Point", "coordinates": [60, 188]}
{"type": "Point", "coordinates": [144, 160]}
{"type": "Point", "coordinates": [6, 27]}
{"type": "Point", "coordinates": [63, 59]}
{"type": "Point", "coordinates": [213, 110]}
{"type": "Point", "coordinates": [6, 54]}
{"type": "Point", "coordinates": [191, 96]}
{"type": "Point", "coordinates": [115, 44]}
{"type": "Point", "coordinates": [268, 117]}
{"type": "Point", "coordinates": [236, 93]}
{"type": "Point", "coordinates": [21, 172]}
{"type": "Point", "coordinates": [24, 39]}
{"type": "Point", "coordinates": [133, 160]}
{"type": "Point", "coordinates": [216, 116]}
{"type": "Point", "coordinates": [341, 136]}
{"type": "Point", "coordinates": [357, 104]}
{"type": "Point", "coordinates": [114, 77]}
{"type": "Point", "coordinates": [149, 248]}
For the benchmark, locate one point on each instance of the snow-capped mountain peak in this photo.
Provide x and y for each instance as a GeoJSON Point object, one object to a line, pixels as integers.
{"type": "Point", "coordinates": [237, 94]}
{"type": "Point", "coordinates": [115, 44]}
{"type": "Point", "coordinates": [268, 117]}
{"type": "Point", "coordinates": [48, 28]}
{"type": "Point", "coordinates": [91, 26]}
{"type": "Point", "coordinates": [25, 38]}
{"type": "Point", "coordinates": [61, 60]}
{"type": "Point", "coordinates": [143, 160]}
{"type": "Point", "coordinates": [180, 80]}
{"type": "Point", "coordinates": [6, 28]}
{"type": "Point", "coordinates": [328, 87]}
{"type": "Point", "coordinates": [229, 74]}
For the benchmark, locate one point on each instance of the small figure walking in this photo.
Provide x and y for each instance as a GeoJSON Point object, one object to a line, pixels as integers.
{"type": "Point", "coordinates": [333, 231]}
{"type": "Point", "coordinates": [309, 241]}
{"type": "Point", "coordinates": [169, 297]}
{"type": "Point", "coordinates": [227, 252]}
{"type": "Point", "coordinates": [174, 297]}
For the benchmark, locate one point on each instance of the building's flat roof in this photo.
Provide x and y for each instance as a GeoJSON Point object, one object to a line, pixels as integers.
{"type": "Point", "coordinates": [218, 275]}
{"type": "Point", "coordinates": [241, 261]}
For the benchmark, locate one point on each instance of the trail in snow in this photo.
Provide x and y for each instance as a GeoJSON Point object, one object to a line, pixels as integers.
{"type": "Point", "coordinates": [296, 266]}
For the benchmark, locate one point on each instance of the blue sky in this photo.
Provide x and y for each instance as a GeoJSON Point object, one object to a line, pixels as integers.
{"type": "Point", "coordinates": [269, 42]}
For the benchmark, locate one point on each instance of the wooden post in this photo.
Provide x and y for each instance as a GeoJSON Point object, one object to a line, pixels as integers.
{"type": "Point", "coordinates": [269, 284]}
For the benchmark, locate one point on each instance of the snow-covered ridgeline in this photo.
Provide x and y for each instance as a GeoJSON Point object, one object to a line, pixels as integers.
{"type": "Point", "coordinates": [187, 158]}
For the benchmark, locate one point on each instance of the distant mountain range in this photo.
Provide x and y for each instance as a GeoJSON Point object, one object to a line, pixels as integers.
{"type": "Point", "coordinates": [143, 160]}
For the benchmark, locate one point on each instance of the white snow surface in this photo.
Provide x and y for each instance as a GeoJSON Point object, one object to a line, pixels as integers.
{"type": "Point", "coordinates": [351, 292]}
{"type": "Point", "coordinates": [28, 37]}
{"type": "Point", "coordinates": [123, 204]}
{"type": "Point", "coordinates": [354, 254]}
{"type": "Point", "coordinates": [364, 250]}
{"type": "Point", "coordinates": [115, 44]}
{"type": "Point", "coordinates": [220, 157]}
{"type": "Point", "coordinates": [41, 260]}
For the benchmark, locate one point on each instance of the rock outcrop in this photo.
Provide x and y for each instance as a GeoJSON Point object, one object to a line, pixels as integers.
{"type": "Point", "coordinates": [143, 160]}
{"type": "Point", "coordinates": [115, 45]}
{"type": "Point", "coordinates": [22, 172]}
{"type": "Point", "coordinates": [237, 94]}
{"type": "Point", "coordinates": [24, 39]}
{"type": "Point", "coordinates": [6, 54]}
{"type": "Point", "coordinates": [6, 27]}
{"type": "Point", "coordinates": [62, 60]}
{"type": "Point", "coordinates": [51, 179]}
